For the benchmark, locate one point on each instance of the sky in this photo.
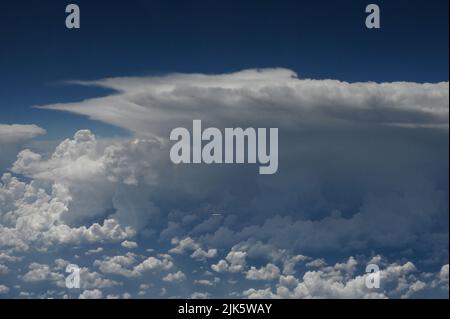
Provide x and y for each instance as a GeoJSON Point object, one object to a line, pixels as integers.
{"type": "Point", "coordinates": [85, 117]}
{"type": "Point", "coordinates": [320, 40]}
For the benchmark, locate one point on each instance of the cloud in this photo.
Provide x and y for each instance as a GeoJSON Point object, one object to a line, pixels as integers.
{"type": "Point", "coordinates": [146, 106]}
{"type": "Point", "coordinates": [91, 294]}
{"type": "Point", "coordinates": [4, 289]}
{"type": "Point", "coordinates": [178, 276]}
{"type": "Point", "coordinates": [118, 265]}
{"type": "Point", "coordinates": [363, 172]}
{"type": "Point", "coordinates": [3, 269]}
{"type": "Point", "coordinates": [233, 262]}
{"type": "Point", "coordinates": [12, 138]}
{"type": "Point", "coordinates": [40, 272]}
{"type": "Point", "coordinates": [339, 282]}
{"type": "Point", "coordinates": [129, 244]}
{"type": "Point", "coordinates": [15, 133]}
{"type": "Point", "coordinates": [128, 265]}
{"type": "Point", "coordinates": [152, 263]}
{"type": "Point", "coordinates": [187, 245]}
{"type": "Point", "coordinates": [268, 272]}
{"type": "Point", "coordinates": [331, 203]}
{"type": "Point", "coordinates": [443, 274]}
{"type": "Point", "coordinates": [201, 254]}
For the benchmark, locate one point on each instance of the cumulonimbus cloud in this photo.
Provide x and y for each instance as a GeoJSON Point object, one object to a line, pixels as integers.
{"type": "Point", "coordinates": [150, 106]}
{"type": "Point", "coordinates": [363, 168]}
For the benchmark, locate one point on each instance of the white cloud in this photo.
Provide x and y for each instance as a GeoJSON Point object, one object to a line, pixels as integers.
{"type": "Point", "coordinates": [117, 265]}
{"type": "Point", "coordinates": [3, 269]}
{"type": "Point", "coordinates": [96, 176]}
{"type": "Point", "coordinates": [4, 289]}
{"type": "Point", "coordinates": [94, 251]}
{"type": "Point", "coordinates": [146, 105]}
{"type": "Point", "coordinates": [16, 133]}
{"type": "Point", "coordinates": [200, 295]}
{"type": "Point", "coordinates": [129, 244]}
{"type": "Point", "coordinates": [128, 265]}
{"type": "Point", "coordinates": [259, 294]}
{"type": "Point", "coordinates": [339, 281]}
{"type": "Point", "coordinates": [234, 262]}
{"type": "Point", "coordinates": [163, 263]}
{"type": "Point", "coordinates": [268, 272]}
{"type": "Point", "coordinates": [186, 244]}
{"type": "Point", "coordinates": [317, 263]}
{"type": "Point", "coordinates": [290, 262]}
{"type": "Point", "coordinates": [443, 274]}
{"type": "Point", "coordinates": [178, 276]}
{"type": "Point", "coordinates": [91, 191]}
{"type": "Point", "coordinates": [91, 294]}
{"type": "Point", "coordinates": [41, 272]}
{"type": "Point", "coordinates": [201, 254]}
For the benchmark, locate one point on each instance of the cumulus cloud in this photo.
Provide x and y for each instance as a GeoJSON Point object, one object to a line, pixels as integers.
{"type": "Point", "coordinates": [188, 244]}
{"type": "Point", "coordinates": [178, 276]}
{"type": "Point", "coordinates": [30, 216]}
{"type": "Point", "coordinates": [12, 138]}
{"type": "Point", "coordinates": [128, 265]}
{"type": "Point", "coordinates": [443, 274]}
{"type": "Point", "coordinates": [41, 272]}
{"type": "Point", "coordinates": [4, 289]}
{"type": "Point", "coordinates": [129, 244]}
{"type": "Point", "coordinates": [268, 272]}
{"type": "Point", "coordinates": [339, 281]}
{"type": "Point", "coordinates": [235, 261]}
{"type": "Point", "coordinates": [91, 294]}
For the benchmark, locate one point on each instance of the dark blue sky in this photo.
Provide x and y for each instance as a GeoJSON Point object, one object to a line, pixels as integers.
{"type": "Point", "coordinates": [317, 39]}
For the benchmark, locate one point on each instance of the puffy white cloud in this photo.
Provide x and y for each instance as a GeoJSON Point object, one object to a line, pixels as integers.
{"type": "Point", "coordinates": [268, 272]}
{"type": "Point", "coordinates": [259, 294]}
{"type": "Point", "coordinates": [339, 281]}
{"type": "Point", "coordinates": [118, 265]}
{"type": "Point", "coordinates": [94, 251]}
{"type": "Point", "coordinates": [13, 138]}
{"type": "Point", "coordinates": [15, 133]}
{"type": "Point", "coordinates": [204, 282]}
{"type": "Point", "coordinates": [4, 289]}
{"type": "Point", "coordinates": [201, 254]}
{"type": "Point", "coordinates": [317, 263]}
{"type": "Point", "coordinates": [94, 280]}
{"type": "Point", "coordinates": [96, 176]}
{"type": "Point", "coordinates": [443, 274]}
{"type": "Point", "coordinates": [41, 272]}
{"type": "Point", "coordinates": [31, 216]}
{"type": "Point", "coordinates": [200, 295]}
{"type": "Point", "coordinates": [290, 262]}
{"type": "Point", "coordinates": [188, 244]}
{"type": "Point", "coordinates": [3, 269]}
{"type": "Point", "coordinates": [91, 294]}
{"type": "Point", "coordinates": [129, 244]}
{"type": "Point", "coordinates": [163, 263]}
{"type": "Point", "coordinates": [178, 276]}
{"type": "Point", "coordinates": [235, 261]}
{"type": "Point", "coordinates": [128, 265]}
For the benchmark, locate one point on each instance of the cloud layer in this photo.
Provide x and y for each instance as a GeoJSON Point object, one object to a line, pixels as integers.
{"type": "Point", "coordinates": [363, 178]}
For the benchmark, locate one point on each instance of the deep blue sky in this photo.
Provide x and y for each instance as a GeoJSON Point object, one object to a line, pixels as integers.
{"type": "Point", "coordinates": [317, 39]}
